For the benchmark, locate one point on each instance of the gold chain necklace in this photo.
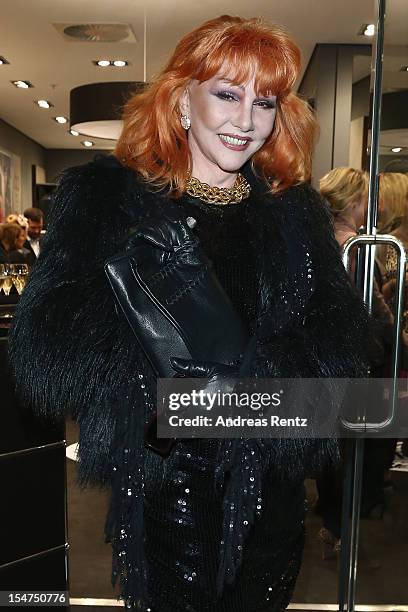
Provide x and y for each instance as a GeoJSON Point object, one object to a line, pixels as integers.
{"type": "Point", "coordinates": [219, 195]}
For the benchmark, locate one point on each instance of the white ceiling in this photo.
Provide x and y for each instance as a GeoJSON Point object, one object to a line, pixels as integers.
{"type": "Point", "coordinates": [37, 52]}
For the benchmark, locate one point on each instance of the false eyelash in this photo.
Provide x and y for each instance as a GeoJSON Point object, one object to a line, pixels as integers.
{"type": "Point", "coordinates": [267, 103]}
{"type": "Point", "coordinates": [226, 95]}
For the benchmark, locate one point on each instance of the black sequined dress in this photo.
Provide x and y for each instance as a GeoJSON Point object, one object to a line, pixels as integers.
{"type": "Point", "coordinates": [183, 509]}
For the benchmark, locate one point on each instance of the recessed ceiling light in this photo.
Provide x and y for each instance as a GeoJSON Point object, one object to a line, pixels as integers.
{"type": "Point", "coordinates": [60, 119]}
{"type": "Point", "coordinates": [22, 84]}
{"type": "Point", "coordinates": [103, 63]}
{"type": "Point", "coordinates": [367, 29]}
{"type": "Point", "coordinates": [87, 143]}
{"type": "Point", "coordinates": [43, 103]}
{"type": "Point", "coordinates": [396, 149]}
{"type": "Point", "coordinates": [3, 60]}
{"type": "Point", "coordinates": [73, 132]}
{"type": "Point", "coordinates": [404, 69]}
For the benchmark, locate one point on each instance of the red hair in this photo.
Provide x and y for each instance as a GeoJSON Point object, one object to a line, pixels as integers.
{"type": "Point", "coordinates": [153, 141]}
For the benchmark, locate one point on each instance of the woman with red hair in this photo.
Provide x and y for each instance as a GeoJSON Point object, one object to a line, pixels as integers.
{"type": "Point", "coordinates": [154, 142]}
{"type": "Point", "coordinates": [218, 136]}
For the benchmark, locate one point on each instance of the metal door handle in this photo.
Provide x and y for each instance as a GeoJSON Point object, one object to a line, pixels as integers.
{"type": "Point", "coordinates": [383, 239]}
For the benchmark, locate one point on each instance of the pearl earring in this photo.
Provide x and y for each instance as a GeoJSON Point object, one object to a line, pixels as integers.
{"type": "Point", "coordinates": [185, 122]}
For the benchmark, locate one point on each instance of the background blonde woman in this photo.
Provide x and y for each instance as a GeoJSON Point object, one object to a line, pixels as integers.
{"type": "Point", "coordinates": [346, 191]}
{"type": "Point", "coordinates": [393, 204]}
{"type": "Point", "coordinates": [393, 190]}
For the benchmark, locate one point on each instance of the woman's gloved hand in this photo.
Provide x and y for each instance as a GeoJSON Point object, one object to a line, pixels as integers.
{"type": "Point", "coordinates": [199, 368]}
{"type": "Point", "coordinates": [211, 377]}
{"type": "Point", "coordinates": [190, 368]}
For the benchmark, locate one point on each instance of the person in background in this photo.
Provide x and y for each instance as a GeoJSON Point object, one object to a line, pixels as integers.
{"type": "Point", "coordinates": [346, 191]}
{"type": "Point", "coordinates": [35, 225]}
{"type": "Point", "coordinates": [393, 219]}
{"type": "Point", "coordinates": [19, 220]}
{"type": "Point", "coordinates": [12, 238]}
{"type": "Point", "coordinates": [393, 205]}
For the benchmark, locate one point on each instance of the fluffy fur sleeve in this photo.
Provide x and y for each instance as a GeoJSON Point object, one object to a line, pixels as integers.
{"type": "Point", "coordinates": [69, 350]}
{"type": "Point", "coordinates": [322, 328]}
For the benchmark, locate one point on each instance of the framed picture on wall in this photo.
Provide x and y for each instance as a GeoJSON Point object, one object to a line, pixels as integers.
{"type": "Point", "coordinates": [10, 183]}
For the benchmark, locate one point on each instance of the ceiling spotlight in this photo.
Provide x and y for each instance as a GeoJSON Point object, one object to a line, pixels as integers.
{"type": "Point", "coordinates": [396, 149]}
{"type": "Point", "coordinates": [367, 29]}
{"type": "Point", "coordinates": [43, 103]}
{"type": "Point", "coordinates": [87, 143]}
{"type": "Point", "coordinates": [60, 119]}
{"type": "Point", "coordinates": [3, 60]}
{"type": "Point", "coordinates": [404, 69]}
{"type": "Point", "coordinates": [103, 63]}
{"type": "Point", "coordinates": [73, 132]}
{"type": "Point", "coordinates": [22, 84]}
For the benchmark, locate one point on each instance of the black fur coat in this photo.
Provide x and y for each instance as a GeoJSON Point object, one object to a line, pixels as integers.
{"type": "Point", "coordinates": [71, 352]}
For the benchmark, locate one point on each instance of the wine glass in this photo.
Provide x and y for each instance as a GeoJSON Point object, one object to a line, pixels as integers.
{"type": "Point", "coordinates": [5, 274]}
{"type": "Point", "coordinates": [19, 274]}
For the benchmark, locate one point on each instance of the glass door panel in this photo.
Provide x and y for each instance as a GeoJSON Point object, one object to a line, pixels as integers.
{"type": "Point", "coordinates": [383, 542]}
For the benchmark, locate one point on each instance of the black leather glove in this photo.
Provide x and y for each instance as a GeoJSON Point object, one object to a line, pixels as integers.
{"type": "Point", "coordinates": [167, 235]}
{"type": "Point", "coordinates": [216, 377]}
{"type": "Point", "coordinates": [190, 368]}
{"type": "Point", "coordinates": [198, 368]}
{"type": "Point", "coordinates": [217, 374]}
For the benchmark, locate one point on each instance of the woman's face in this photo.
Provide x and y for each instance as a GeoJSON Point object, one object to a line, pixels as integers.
{"type": "Point", "coordinates": [20, 240]}
{"type": "Point", "coordinates": [229, 123]}
{"type": "Point", "coordinates": [361, 209]}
